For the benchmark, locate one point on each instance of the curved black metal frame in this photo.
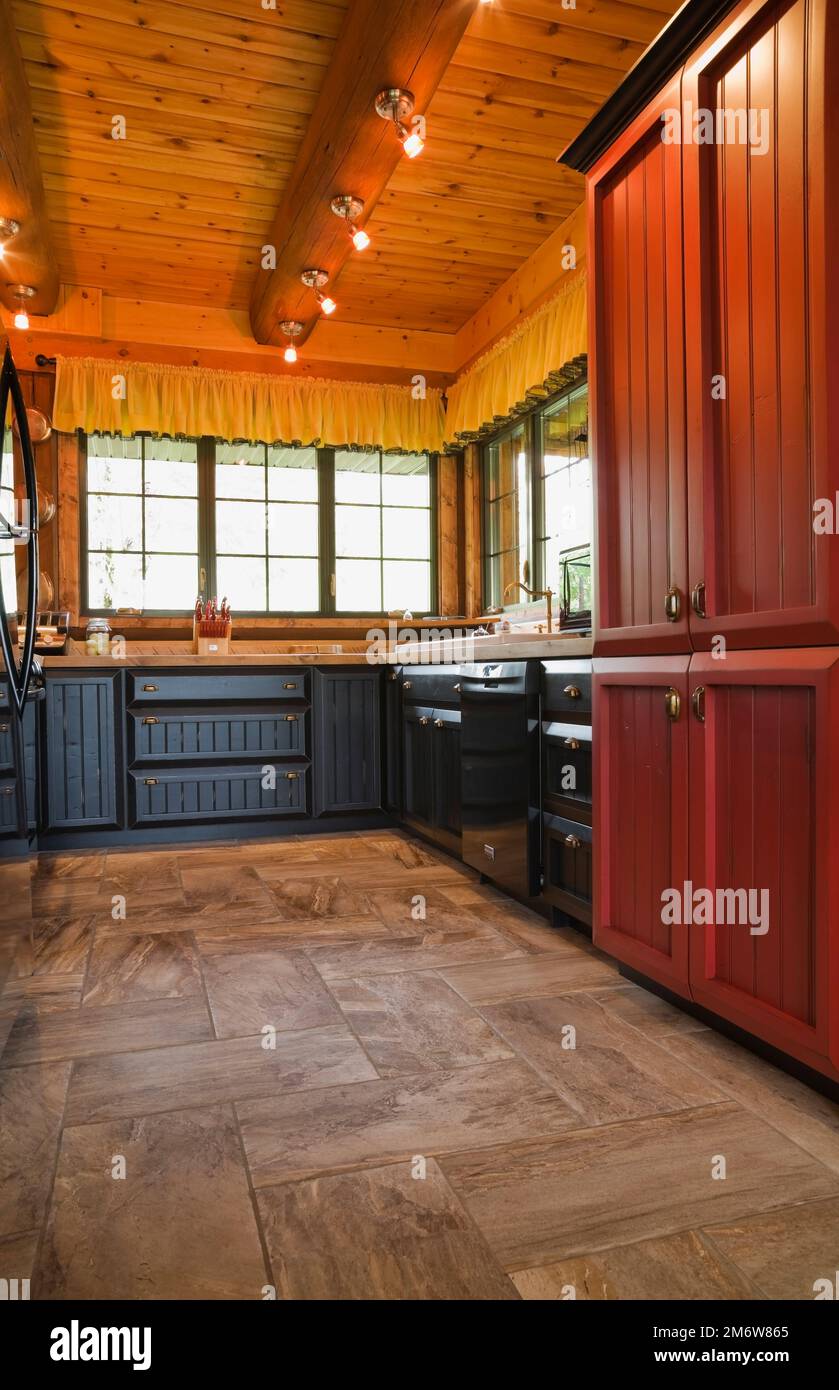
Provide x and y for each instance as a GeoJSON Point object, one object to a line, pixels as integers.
{"type": "Point", "coordinates": [19, 674]}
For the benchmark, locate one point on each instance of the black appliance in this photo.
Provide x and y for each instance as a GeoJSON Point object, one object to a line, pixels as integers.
{"type": "Point", "coordinates": [500, 783]}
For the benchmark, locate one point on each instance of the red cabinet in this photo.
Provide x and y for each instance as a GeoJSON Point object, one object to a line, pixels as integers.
{"type": "Point", "coordinates": [714, 345]}
{"type": "Point", "coordinates": [636, 386]}
{"type": "Point", "coordinates": [640, 800]}
{"type": "Point", "coordinates": [764, 821]}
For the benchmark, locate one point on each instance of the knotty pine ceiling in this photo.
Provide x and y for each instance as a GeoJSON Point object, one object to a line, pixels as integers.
{"type": "Point", "coordinates": [216, 95]}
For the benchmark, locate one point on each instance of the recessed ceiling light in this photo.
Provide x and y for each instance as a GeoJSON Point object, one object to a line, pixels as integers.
{"type": "Point", "coordinates": [396, 104]}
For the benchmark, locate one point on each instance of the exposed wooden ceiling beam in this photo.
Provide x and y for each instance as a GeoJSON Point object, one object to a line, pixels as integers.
{"type": "Point", "coordinates": [347, 147]}
{"type": "Point", "coordinates": [30, 257]}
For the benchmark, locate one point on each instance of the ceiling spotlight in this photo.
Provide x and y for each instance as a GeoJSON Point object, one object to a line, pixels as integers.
{"type": "Point", "coordinates": [8, 228]}
{"type": "Point", "coordinates": [395, 104]}
{"type": "Point", "coordinates": [292, 329]}
{"type": "Point", "coordinates": [21, 292]}
{"type": "Point", "coordinates": [351, 208]}
{"type": "Point", "coordinates": [316, 279]}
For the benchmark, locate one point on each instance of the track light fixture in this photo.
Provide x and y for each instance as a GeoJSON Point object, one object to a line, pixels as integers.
{"type": "Point", "coordinates": [21, 292]}
{"type": "Point", "coordinates": [292, 328]}
{"type": "Point", "coordinates": [396, 104]}
{"type": "Point", "coordinates": [350, 208]}
{"type": "Point", "coordinates": [8, 228]}
{"type": "Point", "coordinates": [316, 279]}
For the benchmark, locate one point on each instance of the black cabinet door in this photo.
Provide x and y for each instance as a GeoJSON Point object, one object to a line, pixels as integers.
{"type": "Point", "coordinates": [347, 743]}
{"type": "Point", "coordinates": [81, 751]}
{"type": "Point", "coordinates": [447, 804]}
{"type": "Point", "coordinates": [418, 766]}
{"type": "Point", "coordinates": [393, 741]}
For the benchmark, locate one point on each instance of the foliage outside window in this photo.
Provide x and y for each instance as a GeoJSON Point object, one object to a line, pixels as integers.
{"type": "Point", "coordinates": [274, 529]}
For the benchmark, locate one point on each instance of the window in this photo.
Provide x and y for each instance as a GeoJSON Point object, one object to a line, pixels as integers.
{"type": "Point", "coordinates": [273, 529]}
{"type": "Point", "coordinates": [142, 523]}
{"type": "Point", "coordinates": [266, 515]}
{"type": "Point", "coordinates": [382, 533]}
{"type": "Point", "coordinates": [538, 504]}
{"type": "Point", "coordinates": [8, 566]}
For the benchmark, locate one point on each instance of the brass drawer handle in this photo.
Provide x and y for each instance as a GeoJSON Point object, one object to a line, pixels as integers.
{"type": "Point", "coordinates": [673, 604]}
{"type": "Point", "coordinates": [8, 791]}
{"type": "Point", "coordinates": [149, 687]}
{"type": "Point", "coordinates": [457, 688]}
{"type": "Point", "coordinates": [289, 685]}
{"type": "Point", "coordinates": [424, 720]}
{"type": "Point", "coordinates": [573, 841]}
{"type": "Point", "coordinates": [672, 703]}
{"type": "Point", "coordinates": [406, 685]}
{"type": "Point", "coordinates": [572, 743]}
{"type": "Point", "coordinates": [697, 599]}
{"type": "Point", "coordinates": [697, 700]}
{"type": "Point", "coordinates": [439, 723]}
{"type": "Point", "coordinates": [393, 676]}
{"type": "Point", "coordinates": [291, 719]}
{"type": "Point", "coordinates": [151, 781]}
{"type": "Point", "coordinates": [4, 728]}
{"type": "Point", "coordinates": [151, 720]}
{"type": "Point", "coordinates": [573, 692]}
{"type": "Point", "coordinates": [292, 776]}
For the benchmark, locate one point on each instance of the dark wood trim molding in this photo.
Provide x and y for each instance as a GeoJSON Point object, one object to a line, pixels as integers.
{"type": "Point", "coordinates": [688, 28]}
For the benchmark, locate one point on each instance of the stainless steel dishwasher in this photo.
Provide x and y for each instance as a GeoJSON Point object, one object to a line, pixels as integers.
{"type": "Point", "coordinates": [500, 787]}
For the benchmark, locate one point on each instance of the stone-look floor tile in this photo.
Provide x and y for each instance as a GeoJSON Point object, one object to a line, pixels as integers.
{"type": "Point", "coordinates": [134, 872]}
{"type": "Point", "coordinates": [250, 988]}
{"type": "Point", "coordinates": [155, 965]}
{"type": "Point", "coordinates": [428, 950]}
{"type": "Point", "coordinates": [681, 1267]}
{"type": "Point", "coordinates": [601, 1067]}
{"type": "Point", "coordinates": [402, 907]}
{"type": "Point", "coordinates": [289, 935]}
{"type": "Point", "coordinates": [409, 853]}
{"type": "Point", "coordinates": [532, 977]}
{"type": "Point", "coordinates": [298, 899]}
{"type": "Point", "coordinates": [39, 1037]}
{"type": "Point", "coordinates": [69, 897]}
{"type": "Point", "coordinates": [378, 1234]}
{"type": "Point", "coordinates": [800, 1113]}
{"type": "Point", "coordinates": [31, 1108]}
{"type": "Point", "coordinates": [82, 865]}
{"type": "Point", "coordinates": [384, 1121]}
{"type": "Point", "coordinates": [174, 1078]}
{"type": "Point", "coordinates": [526, 928]}
{"type": "Point", "coordinates": [646, 1011]}
{"type": "Point", "coordinates": [414, 1023]}
{"type": "Point", "coordinates": [785, 1253]}
{"type": "Point", "coordinates": [544, 1201]}
{"type": "Point", "coordinates": [17, 1261]}
{"type": "Point", "coordinates": [56, 945]}
{"type": "Point", "coordinates": [179, 1225]}
{"type": "Point", "coordinates": [46, 992]}
{"type": "Point", "coordinates": [214, 891]}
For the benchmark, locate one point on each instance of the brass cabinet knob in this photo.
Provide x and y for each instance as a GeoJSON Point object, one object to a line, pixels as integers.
{"type": "Point", "coordinates": [291, 719]}
{"type": "Point", "coordinates": [573, 841]}
{"type": "Point", "coordinates": [672, 703]}
{"type": "Point", "coordinates": [573, 743]}
{"type": "Point", "coordinates": [673, 604]}
{"type": "Point", "coordinates": [4, 728]}
{"type": "Point", "coordinates": [289, 685]}
{"type": "Point", "coordinates": [424, 720]}
{"type": "Point", "coordinates": [457, 688]}
{"type": "Point", "coordinates": [406, 685]}
{"type": "Point", "coordinates": [7, 791]}
{"type": "Point", "coordinates": [439, 723]}
{"type": "Point", "coordinates": [292, 776]}
{"type": "Point", "coordinates": [573, 692]}
{"type": "Point", "coordinates": [150, 781]}
{"type": "Point", "coordinates": [150, 687]}
{"type": "Point", "coordinates": [697, 599]}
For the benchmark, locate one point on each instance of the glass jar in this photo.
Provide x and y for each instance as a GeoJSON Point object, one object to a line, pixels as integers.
{"type": "Point", "coordinates": [98, 637]}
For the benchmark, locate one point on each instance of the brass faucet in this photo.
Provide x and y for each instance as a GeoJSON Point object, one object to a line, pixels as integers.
{"type": "Point", "coordinates": [546, 594]}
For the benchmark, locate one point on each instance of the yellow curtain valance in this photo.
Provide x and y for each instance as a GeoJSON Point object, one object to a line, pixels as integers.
{"type": "Point", "coordinates": [541, 354]}
{"type": "Point", "coordinates": [127, 398]}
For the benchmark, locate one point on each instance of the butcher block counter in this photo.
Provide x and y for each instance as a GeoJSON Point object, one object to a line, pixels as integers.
{"type": "Point", "coordinates": [348, 653]}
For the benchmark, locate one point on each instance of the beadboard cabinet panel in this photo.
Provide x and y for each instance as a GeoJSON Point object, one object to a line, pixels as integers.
{"type": "Point", "coordinates": [636, 330]}
{"type": "Point", "coordinates": [347, 749]}
{"type": "Point", "coordinates": [640, 805]}
{"type": "Point", "coordinates": [764, 768]}
{"type": "Point", "coordinates": [82, 783]}
{"type": "Point", "coordinates": [762, 299]}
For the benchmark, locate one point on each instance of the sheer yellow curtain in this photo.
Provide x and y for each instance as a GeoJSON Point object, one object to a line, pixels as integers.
{"type": "Point", "coordinates": [124, 398]}
{"type": "Point", "coordinates": [553, 338]}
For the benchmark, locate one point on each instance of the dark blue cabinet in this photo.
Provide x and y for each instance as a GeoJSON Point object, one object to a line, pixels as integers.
{"type": "Point", "coordinates": [347, 749]}
{"type": "Point", "coordinates": [82, 752]}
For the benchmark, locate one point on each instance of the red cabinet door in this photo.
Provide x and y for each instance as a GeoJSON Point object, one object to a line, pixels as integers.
{"type": "Point", "coordinates": [762, 309]}
{"type": "Point", "coordinates": [640, 808]}
{"type": "Point", "coordinates": [636, 384]}
{"type": "Point", "coordinates": [764, 816]}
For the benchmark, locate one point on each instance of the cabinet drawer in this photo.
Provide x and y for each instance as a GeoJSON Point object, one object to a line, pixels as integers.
{"type": "Point", "coordinates": [155, 687]}
{"type": "Point", "coordinates": [431, 685]}
{"type": "Point", "coordinates": [567, 866]}
{"type": "Point", "coordinates": [566, 688]}
{"type": "Point", "coordinates": [566, 770]}
{"type": "Point", "coordinates": [230, 793]}
{"type": "Point", "coordinates": [8, 806]}
{"type": "Point", "coordinates": [7, 759]}
{"type": "Point", "coordinates": [206, 735]}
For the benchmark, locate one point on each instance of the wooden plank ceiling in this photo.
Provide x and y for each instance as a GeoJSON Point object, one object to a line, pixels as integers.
{"type": "Point", "coordinates": [216, 95]}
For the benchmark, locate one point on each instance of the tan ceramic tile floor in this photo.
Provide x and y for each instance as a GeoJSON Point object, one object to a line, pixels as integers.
{"type": "Point", "coordinates": [340, 1067]}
